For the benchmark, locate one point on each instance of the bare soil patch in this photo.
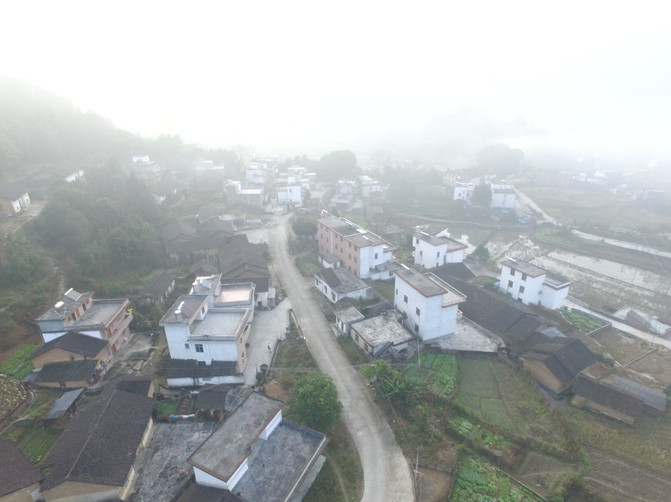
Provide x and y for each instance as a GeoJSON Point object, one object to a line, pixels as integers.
{"type": "Point", "coordinates": [622, 347]}
{"type": "Point", "coordinates": [433, 485]}
{"type": "Point", "coordinates": [546, 474]}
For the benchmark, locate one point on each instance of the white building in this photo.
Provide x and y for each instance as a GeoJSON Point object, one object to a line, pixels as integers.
{"type": "Point", "coordinates": [503, 196]}
{"type": "Point", "coordinates": [346, 317]}
{"type": "Point", "coordinates": [338, 283]}
{"type": "Point", "coordinates": [290, 194]}
{"type": "Point", "coordinates": [369, 187]}
{"type": "Point", "coordinates": [531, 285]}
{"type": "Point", "coordinates": [432, 251]}
{"type": "Point", "coordinates": [430, 304]}
{"type": "Point", "coordinates": [463, 191]}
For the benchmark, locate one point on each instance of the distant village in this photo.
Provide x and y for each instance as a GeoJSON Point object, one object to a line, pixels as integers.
{"type": "Point", "coordinates": [443, 301]}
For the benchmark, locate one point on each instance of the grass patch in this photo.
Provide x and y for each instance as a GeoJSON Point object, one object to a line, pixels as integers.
{"type": "Point", "coordinates": [44, 400]}
{"type": "Point", "coordinates": [19, 365]}
{"type": "Point", "coordinates": [166, 408]}
{"type": "Point", "coordinates": [621, 347]}
{"type": "Point", "coordinates": [385, 289]}
{"type": "Point", "coordinates": [33, 439]}
{"type": "Point", "coordinates": [341, 477]}
{"type": "Point", "coordinates": [293, 358]}
{"type": "Point", "coordinates": [438, 373]}
{"type": "Point", "coordinates": [308, 265]}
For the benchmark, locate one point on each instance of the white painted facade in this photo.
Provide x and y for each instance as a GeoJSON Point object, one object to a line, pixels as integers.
{"type": "Point", "coordinates": [503, 196]}
{"type": "Point", "coordinates": [334, 296]}
{"type": "Point", "coordinates": [205, 479]}
{"type": "Point", "coordinates": [431, 252]}
{"type": "Point", "coordinates": [290, 194]}
{"type": "Point", "coordinates": [463, 191]}
{"type": "Point", "coordinates": [530, 285]}
{"type": "Point", "coordinates": [427, 316]}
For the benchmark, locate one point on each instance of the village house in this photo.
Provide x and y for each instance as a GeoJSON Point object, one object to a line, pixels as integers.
{"type": "Point", "coordinates": [345, 244]}
{"type": "Point", "coordinates": [156, 291]}
{"type": "Point", "coordinates": [67, 374]}
{"type": "Point", "coordinates": [532, 285]}
{"type": "Point", "coordinates": [503, 196]}
{"type": "Point", "coordinates": [72, 346]}
{"type": "Point", "coordinates": [236, 193]}
{"type": "Point", "coordinates": [207, 341]}
{"type": "Point", "coordinates": [258, 455]}
{"type": "Point", "coordinates": [655, 399]}
{"type": "Point", "coordinates": [369, 187]}
{"type": "Point", "coordinates": [185, 244]}
{"type": "Point", "coordinates": [19, 478]}
{"type": "Point", "coordinates": [463, 191]}
{"type": "Point", "coordinates": [14, 199]}
{"type": "Point", "coordinates": [65, 405]}
{"type": "Point", "coordinates": [433, 251]}
{"type": "Point", "coordinates": [338, 283]}
{"type": "Point", "coordinates": [607, 399]}
{"type": "Point", "coordinates": [346, 317]}
{"type": "Point", "coordinates": [290, 194]}
{"type": "Point", "coordinates": [381, 336]}
{"type": "Point", "coordinates": [93, 458]}
{"type": "Point", "coordinates": [104, 319]}
{"type": "Point", "coordinates": [430, 304]}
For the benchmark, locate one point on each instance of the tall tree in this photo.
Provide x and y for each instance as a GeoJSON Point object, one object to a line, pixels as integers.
{"type": "Point", "coordinates": [314, 401]}
{"type": "Point", "coordinates": [338, 164]}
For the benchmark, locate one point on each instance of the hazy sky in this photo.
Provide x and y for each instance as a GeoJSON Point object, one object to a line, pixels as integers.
{"type": "Point", "coordinates": [313, 76]}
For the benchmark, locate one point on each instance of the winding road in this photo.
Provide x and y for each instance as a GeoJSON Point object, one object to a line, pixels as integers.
{"type": "Point", "coordinates": [386, 471]}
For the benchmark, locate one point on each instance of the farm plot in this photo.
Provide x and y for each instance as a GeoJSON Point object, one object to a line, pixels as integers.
{"type": "Point", "coordinates": [647, 443]}
{"type": "Point", "coordinates": [622, 347]}
{"type": "Point", "coordinates": [479, 480]}
{"type": "Point", "coordinates": [12, 394]}
{"type": "Point", "coordinates": [504, 398]}
{"type": "Point", "coordinates": [656, 364]}
{"type": "Point", "coordinates": [438, 373]}
{"type": "Point", "coordinates": [19, 365]}
{"type": "Point", "coordinates": [33, 439]}
{"type": "Point", "coordinates": [617, 480]}
{"type": "Point", "coordinates": [547, 474]}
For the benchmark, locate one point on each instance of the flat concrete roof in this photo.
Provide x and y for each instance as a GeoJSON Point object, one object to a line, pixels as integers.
{"type": "Point", "coordinates": [235, 294]}
{"type": "Point", "coordinates": [230, 444]}
{"type": "Point", "coordinates": [219, 324]}
{"type": "Point", "coordinates": [277, 464]}
{"type": "Point", "coordinates": [350, 314]}
{"type": "Point", "coordinates": [382, 329]}
{"type": "Point", "coordinates": [468, 337]}
{"type": "Point", "coordinates": [184, 309]}
{"type": "Point", "coordinates": [524, 267]}
{"type": "Point", "coordinates": [100, 313]}
{"type": "Point", "coordinates": [452, 244]}
{"type": "Point", "coordinates": [431, 285]}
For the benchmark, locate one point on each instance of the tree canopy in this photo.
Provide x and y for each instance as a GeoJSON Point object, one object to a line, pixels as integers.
{"type": "Point", "coordinates": [336, 165]}
{"type": "Point", "coordinates": [482, 195]}
{"type": "Point", "coordinates": [314, 401]}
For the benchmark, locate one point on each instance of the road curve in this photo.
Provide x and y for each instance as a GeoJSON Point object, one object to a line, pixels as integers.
{"type": "Point", "coordinates": [386, 471]}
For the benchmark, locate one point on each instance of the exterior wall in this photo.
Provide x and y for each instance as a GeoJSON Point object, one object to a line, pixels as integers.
{"type": "Point", "coordinates": [426, 317]}
{"type": "Point", "coordinates": [290, 195]}
{"type": "Point", "coordinates": [429, 256]}
{"type": "Point", "coordinates": [57, 354]}
{"type": "Point", "coordinates": [544, 376]}
{"type": "Point", "coordinates": [521, 286]}
{"type": "Point", "coordinates": [197, 382]}
{"type": "Point", "coordinates": [277, 420]}
{"type": "Point", "coordinates": [75, 384]}
{"type": "Point", "coordinates": [361, 343]}
{"type": "Point", "coordinates": [69, 491]}
{"type": "Point", "coordinates": [370, 257]}
{"type": "Point", "coordinates": [21, 495]}
{"type": "Point", "coordinates": [333, 296]}
{"type": "Point", "coordinates": [205, 479]}
{"type": "Point", "coordinates": [464, 193]}
{"type": "Point", "coordinates": [503, 200]}
{"type": "Point", "coordinates": [552, 298]}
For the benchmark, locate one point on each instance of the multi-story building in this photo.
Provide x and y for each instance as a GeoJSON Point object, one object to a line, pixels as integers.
{"type": "Point", "coordinates": [105, 319]}
{"type": "Point", "coordinates": [433, 251]}
{"type": "Point", "coordinates": [503, 196]}
{"type": "Point", "coordinates": [347, 245]}
{"type": "Point", "coordinates": [431, 306]}
{"type": "Point", "coordinates": [463, 191]}
{"type": "Point", "coordinates": [531, 285]}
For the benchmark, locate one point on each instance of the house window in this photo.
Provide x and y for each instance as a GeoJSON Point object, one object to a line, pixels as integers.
{"type": "Point", "coordinates": [202, 363]}
{"type": "Point", "coordinates": [376, 256]}
{"type": "Point", "coordinates": [521, 289]}
{"type": "Point", "coordinates": [524, 277]}
{"type": "Point", "coordinates": [417, 311]}
{"type": "Point", "coordinates": [405, 298]}
{"type": "Point", "coordinates": [437, 254]}
{"type": "Point", "coordinates": [416, 240]}
{"type": "Point", "coordinates": [186, 346]}
{"type": "Point", "coordinates": [416, 328]}
{"type": "Point", "coordinates": [512, 273]}
{"type": "Point", "coordinates": [199, 347]}
{"type": "Point", "coordinates": [333, 296]}
{"type": "Point", "coordinates": [510, 284]}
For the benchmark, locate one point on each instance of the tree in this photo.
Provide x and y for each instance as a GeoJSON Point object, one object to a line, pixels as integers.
{"type": "Point", "coordinates": [338, 164]}
{"type": "Point", "coordinates": [314, 401]}
{"type": "Point", "coordinates": [482, 195]}
{"type": "Point", "coordinates": [481, 254]}
{"type": "Point", "coordinates": [304, 227]}
{"type": "Point", "coordinates": [388, 383]}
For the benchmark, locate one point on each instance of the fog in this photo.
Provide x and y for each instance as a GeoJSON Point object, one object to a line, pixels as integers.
{"type": "Point", "coordinates": [309, 77]}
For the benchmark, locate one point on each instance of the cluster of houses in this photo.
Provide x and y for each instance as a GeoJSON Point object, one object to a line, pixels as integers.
{"type": "Point", "coordinates": [437, 305]}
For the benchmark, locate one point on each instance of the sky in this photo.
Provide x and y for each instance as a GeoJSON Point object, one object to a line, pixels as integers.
{"type": "Point", "coordinates": [310, 77]}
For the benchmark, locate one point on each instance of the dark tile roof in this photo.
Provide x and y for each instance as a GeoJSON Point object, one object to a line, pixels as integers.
{"type": "Point", "coordinates": [564, 357]}
{"type": "Point", "coordinates": [16, 471]}
{"type": "Point", "coordinates": [67, 371]}
{"type": "Point", "coordinates": [654, 398]}
{"type": "Point", "coordinates": [189, 368]}
{"type": "Point", "coordinates": [200, 493]}
{"type": "Point", "coordinates": [608, 396]}
{"type": "Point", "coordinates": [99, 444]}
{"type": "Point", "coordinates": [213, 397]}
{"type": "Point", "coordinates": [134, 385]}
{"type": "Point", "coordinates": [453, 270]}
{"type": "Point", "coordinates": [76, 343]}
{"type": "Point", "coordinates": [240, 258]}
{"type": "Point", "coordinates": [158, 286]}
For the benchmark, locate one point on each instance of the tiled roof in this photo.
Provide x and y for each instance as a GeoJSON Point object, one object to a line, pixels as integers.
{"type": "Point", "coordinates": [239, 257]}
{"type": "Point", "coordinates": [341, 280]}
{"type": "Point", "coordinates": [213, 397]}
{"type": "Point", "coordinates": [457, 270]}
{"type": "Point", "coordinates": [100, 443]}
{"type": "Point", "coordinates": [158, 285]}
{"type": "Point", "coordinates": [76, 343]}
{"type": "Point", "coordinates": [200, 493]}
{"type": "Point", "coordinates": [654, 398]}
{"type": "Point", "coordinates": [67, 371]}
{"type": "Point", "coordinates": [16, 471]}
{"type": "Point", "coordinates": [608, 396]}
{"type": "Point", "coordinates": [564, 357]}
{"type": "Point", "coordinates": [189, 368]}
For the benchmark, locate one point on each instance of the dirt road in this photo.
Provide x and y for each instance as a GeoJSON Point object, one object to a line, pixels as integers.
{"type": "Point", "coordinates": [386, 471]}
